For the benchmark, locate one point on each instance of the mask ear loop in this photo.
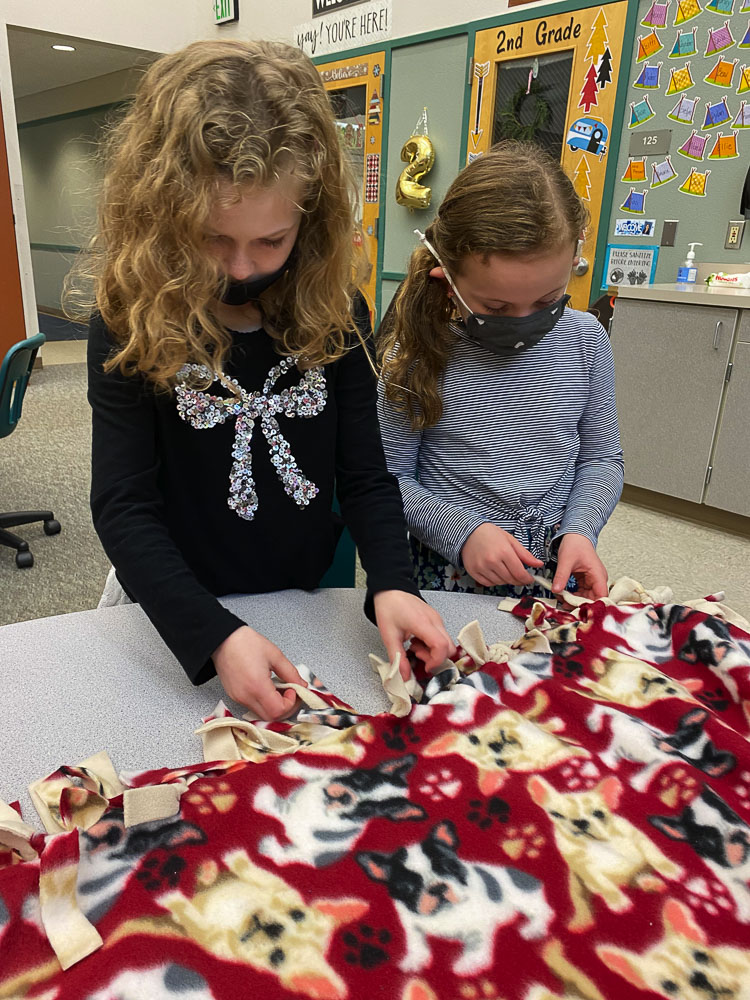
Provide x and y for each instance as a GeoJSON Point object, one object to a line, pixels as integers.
{"type": "Point", "coordinates": [423, 239]}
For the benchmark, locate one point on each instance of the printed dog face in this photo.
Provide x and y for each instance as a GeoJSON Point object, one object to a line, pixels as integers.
{"type": "Point", "coordinates": [719, 836]}
{"type": "Point", "coordinates": [110, 852]}
{"type": "Point", "coordinates": [253, 916]}
{"type": "Point", "coordinates": [509, 742]}
{"type": "Point", "coordinates": [437, 895]}
{"type": "Point", "coordinates": [632, 739]}
{"type": "Point", "coordinates": [683, 965]}
{"type": "Point", "coordinates": [604, 852]}
{"type": "Point", "coordinates": [325, 816]}
{"type": "Point", "coordinates": [627, 681]}
{"type": "Point", "coordinates": [166, 982]}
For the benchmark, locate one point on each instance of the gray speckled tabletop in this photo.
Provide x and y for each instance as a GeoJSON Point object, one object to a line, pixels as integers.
{"type": "Point", "coordinates": [103, 680]}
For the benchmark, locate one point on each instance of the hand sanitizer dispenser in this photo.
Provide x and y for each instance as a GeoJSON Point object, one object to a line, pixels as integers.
{"type": "Point", "coordinates": [687, 273]}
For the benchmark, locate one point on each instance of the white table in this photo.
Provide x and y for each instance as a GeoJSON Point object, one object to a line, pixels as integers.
{"type": "Point", "coordinates": [104, 680]}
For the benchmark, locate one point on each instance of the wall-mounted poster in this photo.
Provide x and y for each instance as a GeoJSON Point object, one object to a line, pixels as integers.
{"type": "Point", "coordinates": [629, 265]}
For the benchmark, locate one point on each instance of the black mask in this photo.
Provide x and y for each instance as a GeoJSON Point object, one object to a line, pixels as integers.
{"type": "Point", "coordinates": [503, 335]}
{"type": "Point", "coordinates": [506, 335]}
{"type": "Point", "coordinates": [239, 293]}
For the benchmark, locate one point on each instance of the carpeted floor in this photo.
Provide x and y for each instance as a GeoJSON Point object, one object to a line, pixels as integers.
{"type": "Point", "coordinates": [45, 463]}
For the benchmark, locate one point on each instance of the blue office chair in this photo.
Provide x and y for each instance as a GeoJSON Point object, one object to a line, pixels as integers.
{"type": "Point", "coordinates": [14, 377]}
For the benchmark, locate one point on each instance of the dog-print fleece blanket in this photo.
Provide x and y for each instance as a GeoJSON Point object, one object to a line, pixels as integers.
{"type": "Point", "coordinates": [566, 817]}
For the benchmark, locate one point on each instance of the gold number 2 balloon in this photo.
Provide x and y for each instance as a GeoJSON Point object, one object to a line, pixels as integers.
{"type": "Point", "coordinates": [419, 153]}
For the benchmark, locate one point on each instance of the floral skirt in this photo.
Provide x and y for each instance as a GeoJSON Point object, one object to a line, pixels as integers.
{"type": "Point", "coordinates": [433, 572]}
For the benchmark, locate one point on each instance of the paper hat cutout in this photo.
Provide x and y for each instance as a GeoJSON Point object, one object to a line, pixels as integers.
{"type": "Point", "coordinates": [694, 147]}
{"type": "Point", "coordinates": [635, 203]}
{"type": "Point", "coordinates": [642, 112]}
{"type": "Point", "coordinates": [649, 77]}
{"type": "Point", "coordinates": [686, 11]}
{"type": "Point", "coordinates": [685, 44]}
{"type": "Point", "coordinates": [722, 73]}
{"type": "Point", "coordinates": [657, 15]}
{"type": "Point", "coordinates": [662, 173]}
{"type": "Point", "coordinates": [680, 79]}
{"type": "Point", "coordinates": [717, 114]}
{"type": "Point", "coordinates": [648, 46]}
{"type": "Point", "coordinates": [719, 39]}
{"type": "Point", "coordinates": [636, 170]}
{"type": "Point", "coordinates": [684, 110]}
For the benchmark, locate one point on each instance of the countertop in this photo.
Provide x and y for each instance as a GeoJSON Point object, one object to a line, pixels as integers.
{"type": "Point", "coordinates": [698, 294]}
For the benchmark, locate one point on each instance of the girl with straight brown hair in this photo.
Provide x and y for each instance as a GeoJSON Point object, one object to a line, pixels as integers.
{"type": "Point", "coordinates": [497, 403]}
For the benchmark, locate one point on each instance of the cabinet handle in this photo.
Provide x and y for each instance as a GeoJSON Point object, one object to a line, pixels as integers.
{"type": "Point", "coordinates": [717, 334]}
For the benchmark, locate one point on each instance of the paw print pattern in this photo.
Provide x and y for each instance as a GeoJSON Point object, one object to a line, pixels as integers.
{"type": "Point", "coordinates": [717, 699]}
{"type": "Point", "coordinates": [523, 841]}
{"type": "Point", "coordinates": [580, 774]}
{"type": "Point", "coordinates": [742, 789]}
{"type": "Point", "coordinates": [676, 785]}
{"type": "Point", "coordinates": [366, 949]}
{"type": "Point", "coordinates": [481, 990]}
{"type": "Point", "coordinates": [442, 785]}
{"type": "Point", "coordinates": [211, 796]}
{"type": "Point", "coordinates": [488, 811]}
{"type": "Point", "coordinates": [399, 734]}
{"type": "Point", "coordinates": [710, 895]}
{"type": "Point", "coordinates": [156, 875]}
{"type": "Point", "coordinates": [568, 668]}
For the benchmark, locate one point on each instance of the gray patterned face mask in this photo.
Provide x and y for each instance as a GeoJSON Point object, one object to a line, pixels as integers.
{"type": "Point", "coordinates": [503, 335]}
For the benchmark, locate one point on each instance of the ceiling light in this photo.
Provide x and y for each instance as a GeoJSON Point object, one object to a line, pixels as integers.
{"type": "Point", "coordinates": [64, 48]}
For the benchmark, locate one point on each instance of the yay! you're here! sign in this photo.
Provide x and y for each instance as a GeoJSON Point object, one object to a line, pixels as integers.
{"type": "Point", "coordinates": [348, 24]}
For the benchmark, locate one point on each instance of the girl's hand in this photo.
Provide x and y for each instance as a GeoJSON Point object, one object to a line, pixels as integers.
{"type": "Point", "coordinates": [401, 616]}
{"type": "Point", "coordinates": [244, 663]}
{"type": "Point", "coordinates": [577, 556]}
{"type": "Point", "coordinates": [493, 556]}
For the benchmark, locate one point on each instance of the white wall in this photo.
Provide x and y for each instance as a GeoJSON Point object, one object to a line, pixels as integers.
{"type": "Point", "coordinates": [278, 18]}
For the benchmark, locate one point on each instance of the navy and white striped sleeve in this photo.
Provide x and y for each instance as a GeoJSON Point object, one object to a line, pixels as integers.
{"type": "Point", "coordinates": [599, 471]}
{"type": "Point", "coordinates": [441, 525]}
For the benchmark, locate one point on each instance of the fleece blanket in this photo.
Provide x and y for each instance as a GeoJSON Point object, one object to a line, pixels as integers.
{"type": "Point", "coordinates": [566, 817]}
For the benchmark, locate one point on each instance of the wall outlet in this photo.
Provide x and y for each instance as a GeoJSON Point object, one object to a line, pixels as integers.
{"type": "Point", "coordinates": [735, 230]}
{"type": "Point", "coordinates": [669, 232]}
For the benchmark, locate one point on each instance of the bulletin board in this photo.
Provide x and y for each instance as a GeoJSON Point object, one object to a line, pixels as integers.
{"type": "Point", "coordinates": [687, 147]}
{"type": "Point", "coordinates": [560, 76]}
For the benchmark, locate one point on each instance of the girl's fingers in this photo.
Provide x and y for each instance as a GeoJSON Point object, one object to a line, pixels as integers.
{"type": "Point", "coordinates": [286, 670]}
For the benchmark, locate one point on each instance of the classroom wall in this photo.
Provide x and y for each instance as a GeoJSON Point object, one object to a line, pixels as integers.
{"type": "Point", "coordinates": [161, 27]}
{"type": "Point", "coordinates": [273, 19]}
{"type": "Point", "coordinates": [702, 218]}
{"type": "Point", "coordinates": [61, 176]}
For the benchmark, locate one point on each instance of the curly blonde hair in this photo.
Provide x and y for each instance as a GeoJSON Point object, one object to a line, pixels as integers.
{"type": "Point", "coordinates": [514, 200]}
{"type": "Point", "coordinates": [244, 112]}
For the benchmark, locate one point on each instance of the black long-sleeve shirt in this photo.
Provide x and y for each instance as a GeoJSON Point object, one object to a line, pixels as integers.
{"type": "Point", "coordinates": [160, 488]}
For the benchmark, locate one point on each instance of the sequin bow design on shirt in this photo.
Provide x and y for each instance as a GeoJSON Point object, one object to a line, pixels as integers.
{"type": "Point", "coordinates": [203, 411]}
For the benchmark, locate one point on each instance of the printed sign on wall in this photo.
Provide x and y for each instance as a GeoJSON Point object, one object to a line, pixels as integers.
{"type": "Point", "coordinates": [364, 23]}
{"type": "Point", "coordinates": [629, 265]}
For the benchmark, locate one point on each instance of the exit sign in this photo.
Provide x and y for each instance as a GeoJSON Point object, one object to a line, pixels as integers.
{"type": "Point", "coordinates": [226, 11]}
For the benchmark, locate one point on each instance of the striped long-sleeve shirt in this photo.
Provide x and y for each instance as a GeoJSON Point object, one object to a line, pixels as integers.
{"type": "Point", "coordinates": [525, 442]}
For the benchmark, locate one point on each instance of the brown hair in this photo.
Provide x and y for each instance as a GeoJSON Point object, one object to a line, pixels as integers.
{"type": "Point", "coordinates": [243, 112]}
{"type": "Point", "coordinates": [514, 200]}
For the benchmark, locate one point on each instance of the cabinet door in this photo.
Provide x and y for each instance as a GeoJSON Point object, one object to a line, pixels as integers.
{"type": "Point", "coordinates": [670, 362]}
{"type": "Point", "coordinates": [729, 488]}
